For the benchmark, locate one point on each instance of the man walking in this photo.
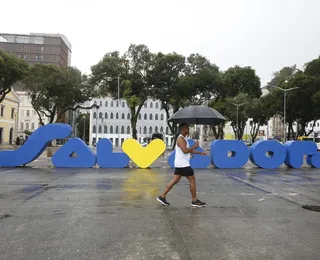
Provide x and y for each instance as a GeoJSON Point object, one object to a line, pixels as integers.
{"type": "Point", "coordinates": [182, 167]}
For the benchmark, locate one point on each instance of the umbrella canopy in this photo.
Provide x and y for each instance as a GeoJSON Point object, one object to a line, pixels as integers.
{"type": "Point", "coordinates": [199, 115]}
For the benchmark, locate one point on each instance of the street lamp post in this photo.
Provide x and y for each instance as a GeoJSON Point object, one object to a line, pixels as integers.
{"type": "Point", "coordinates": [119, 141]}
{"type": "Point", "coordinates": [285, 91]}
{"type": "Point", "coordinates": [237, 106]}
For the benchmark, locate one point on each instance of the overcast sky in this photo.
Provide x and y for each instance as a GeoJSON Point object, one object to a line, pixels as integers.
{"type": "Point", "coordinates": [264, 34]}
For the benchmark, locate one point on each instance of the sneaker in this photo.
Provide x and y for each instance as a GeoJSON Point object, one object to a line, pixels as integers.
{"type": "Point", "coordinates": [163, 201]}
{"type": "Point", "coordinates": [198, 204]}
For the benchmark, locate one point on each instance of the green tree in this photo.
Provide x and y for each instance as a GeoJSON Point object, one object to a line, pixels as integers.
{"type": "Point", "coordinates": [241, 80]}
{"type": "Point", "coordinates": [54, 90]}
{"type": "Point", "coordinates": [279, 77]}
{"type": "Point", "coordinates": [133, 69]}
{"type": "Point", "coordinates": [300, 103]}
{"type": "Point", "coordinates": [259, 111]}
{"type": "Point", "coordinates": [83, 124]}
{"type": "Point", "coordinates": [313, 68]}
{"type": "Point", "coordinates": [164, 76]}
{"type": "Point", "coordinates": [201, 80]}
{"type": "Point", "coordinates": [12, 70]}
{"type": "Point", "coordinates": [221, 106]}
{"type": "Point", "coordinates": [237, 116]}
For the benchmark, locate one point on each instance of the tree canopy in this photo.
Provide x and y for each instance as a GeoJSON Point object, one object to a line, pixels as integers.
{"type": "Point", "coordinates": [54, 90]}
{"type": "Point", "coordinates": [132, 69]}
{"type": "Point", "coordinates": [12, 70]}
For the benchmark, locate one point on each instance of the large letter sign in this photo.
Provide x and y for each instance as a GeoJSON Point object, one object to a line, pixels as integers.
{"type": "Point", "coordinates": [35, 145]}
{"type": "Point", "coordinates": [197, 161]}
{"type": "Point", "coordinates": [267, 154]}
{"type": "Point", "coordinates": [224, 153]}
{"type": "Point", "coordinates": [85, 158]}
{"type": "Point", "coordinates": [108, 159]}
{"type": "Point", "coordinates": [220, 154]}
{"type": "Point", "coordinates": [143, 157]}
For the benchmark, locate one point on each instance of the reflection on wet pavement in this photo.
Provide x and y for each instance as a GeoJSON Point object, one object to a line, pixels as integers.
{"type": "Point", "coordinates": [142, 185]}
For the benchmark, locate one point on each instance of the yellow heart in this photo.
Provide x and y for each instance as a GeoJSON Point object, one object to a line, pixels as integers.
{"type": "Point", "coordinates": [143, 157]}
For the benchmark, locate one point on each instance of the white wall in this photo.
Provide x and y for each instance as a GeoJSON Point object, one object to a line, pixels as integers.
{"type": "Point", "coordinates": [156, 124]}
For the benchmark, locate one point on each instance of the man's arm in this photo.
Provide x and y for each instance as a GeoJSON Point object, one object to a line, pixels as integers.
{"type": "Point", "coordinates": [197, 152]}
{"type": "Point", "coordinates": [183, 145]}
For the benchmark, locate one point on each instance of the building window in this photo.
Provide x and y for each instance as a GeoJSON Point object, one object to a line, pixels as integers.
{"type": "Point", "coordinates": [94, 115]}
{"type": "Point", "coordinates": [123, 116]}
{"type": "Point", "coordinates": [161, 129]}
{"type": "Point", "coordinates": [150, 130]}
{"type": "Point", "coordinates": [12, 113]}
{"type": "Point", "coordinates": [117, 116]}
{"type": "Point", "coordinates": [156, 130]}
{"type": "Point", "coordinates": [106, 104]}
{"type": "Point", "coordinates": [100, 103]}
{"type": "Point", "coordinates": [39, 57]}
{"type": "Point", "coordinates": [111, 103]}
{"type": "Point", "coordinates": [128, 116]}
{"type": "Point", "coordinates": [95, 102]}
{"type": "Point", "coordinates": [27, 126]}
{"type": "Point", "coordinates": [122, 129]}
{"type": "Point", "coordinates": [34, 112]}
{"type": "Point", "coordinates": [111, 116]}
{"type": "Point", "coordinates": [167, 130]}
{"type": "Point", "coordinates": [139, 116]}
{"type": "Point", "coordinates": [145, 117]}
{"type": "Point", "coordinates": [123, 104]}
{"type": "Point", "coordinates": [156, 117]}
{"type": "Point", "coordinates": [157, 105]}
{"type": "Point", "coordinates": [161, 117]}
{"type": "Point", "coordinates": [28, 113]}
{"type": "Point", "coordinates": [100, 129]}
{"type": "Point", "coordinates": [145, 130]}
{"type": "Point", "coordinates": [128, 130]}
{"type": "Point", "coordinates": [94, 129]}
{"type": "Point", "coordinates": [100, 115]}
{"type": "Point", "coordinates": [150, 117]}
{"type": "Point", "coordinates": [117, 103]}
{"type": "Point", "coordinates": [21, 126]}
{"type": "Point", "coordinates": [117, 129]}
{"type": "Point", "coordinates": [105, 129]}
{"type": "Point", "coordinates": [139, 129]}
{"type": "Point", "coordinates": [151, 105]}
{"type": "Point", "coordinates": [310, 124]}
{"type": "Point", "coordinates": [106, 115]}
{"type": "Point", "coordinates": [111, 129]}
{"type": "Point", "coordinates": [145, 104]}
{"type": "Point", "coordinates": [32, 126]}
{"type": "Point", "coordinates": [317, 124]}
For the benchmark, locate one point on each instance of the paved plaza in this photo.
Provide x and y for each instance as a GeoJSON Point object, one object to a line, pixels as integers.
{"type": "Point", "coordinates": [251, 213]}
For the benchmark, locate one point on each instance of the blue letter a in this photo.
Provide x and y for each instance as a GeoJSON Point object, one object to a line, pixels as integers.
{"type": "Point", "coordinates": [85, 157]}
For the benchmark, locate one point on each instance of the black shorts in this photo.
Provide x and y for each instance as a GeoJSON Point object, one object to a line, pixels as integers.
{"type": "Point", "coordinates": [185, 171]}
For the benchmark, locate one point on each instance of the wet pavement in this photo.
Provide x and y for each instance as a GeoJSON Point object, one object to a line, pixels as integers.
{"type": "Point", "coordinates": [48, 213]}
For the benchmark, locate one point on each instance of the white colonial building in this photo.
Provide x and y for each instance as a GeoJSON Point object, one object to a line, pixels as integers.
{"type": "Point", "coordinates": [28, 118]}
{"type": "Point", "coordinates": [112, 120]}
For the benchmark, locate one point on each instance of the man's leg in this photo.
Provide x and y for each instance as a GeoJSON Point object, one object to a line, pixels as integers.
{"type": "Point", "coordinates": [174, 181]}
{"type": "Point", "coordinates": [193, 188]}
{"type": "Point", "coordinates": [192, 180]}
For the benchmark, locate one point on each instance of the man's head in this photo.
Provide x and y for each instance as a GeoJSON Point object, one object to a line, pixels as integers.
{"type": "Point", "coordinates": [184, 129]}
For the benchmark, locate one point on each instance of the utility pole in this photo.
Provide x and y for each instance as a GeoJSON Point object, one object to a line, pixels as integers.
{"type": "Point", "coordinates": [285, 91]}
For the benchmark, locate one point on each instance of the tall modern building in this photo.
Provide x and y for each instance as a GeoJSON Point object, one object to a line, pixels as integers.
{"type": "Point", "coordinates": [38, 47]}
{"type": "Point", "coordinates": [112, 120]}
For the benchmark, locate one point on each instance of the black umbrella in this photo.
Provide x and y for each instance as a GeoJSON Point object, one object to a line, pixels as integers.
{"type": "Point", "coordinates": [198, 115]}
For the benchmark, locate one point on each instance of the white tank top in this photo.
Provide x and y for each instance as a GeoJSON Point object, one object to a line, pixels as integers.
{"type": "Point", "coordinates": [181, 159]}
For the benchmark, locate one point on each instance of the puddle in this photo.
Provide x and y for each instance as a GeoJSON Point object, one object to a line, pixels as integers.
{"type": "Point", "coordinates": [312, 208]}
